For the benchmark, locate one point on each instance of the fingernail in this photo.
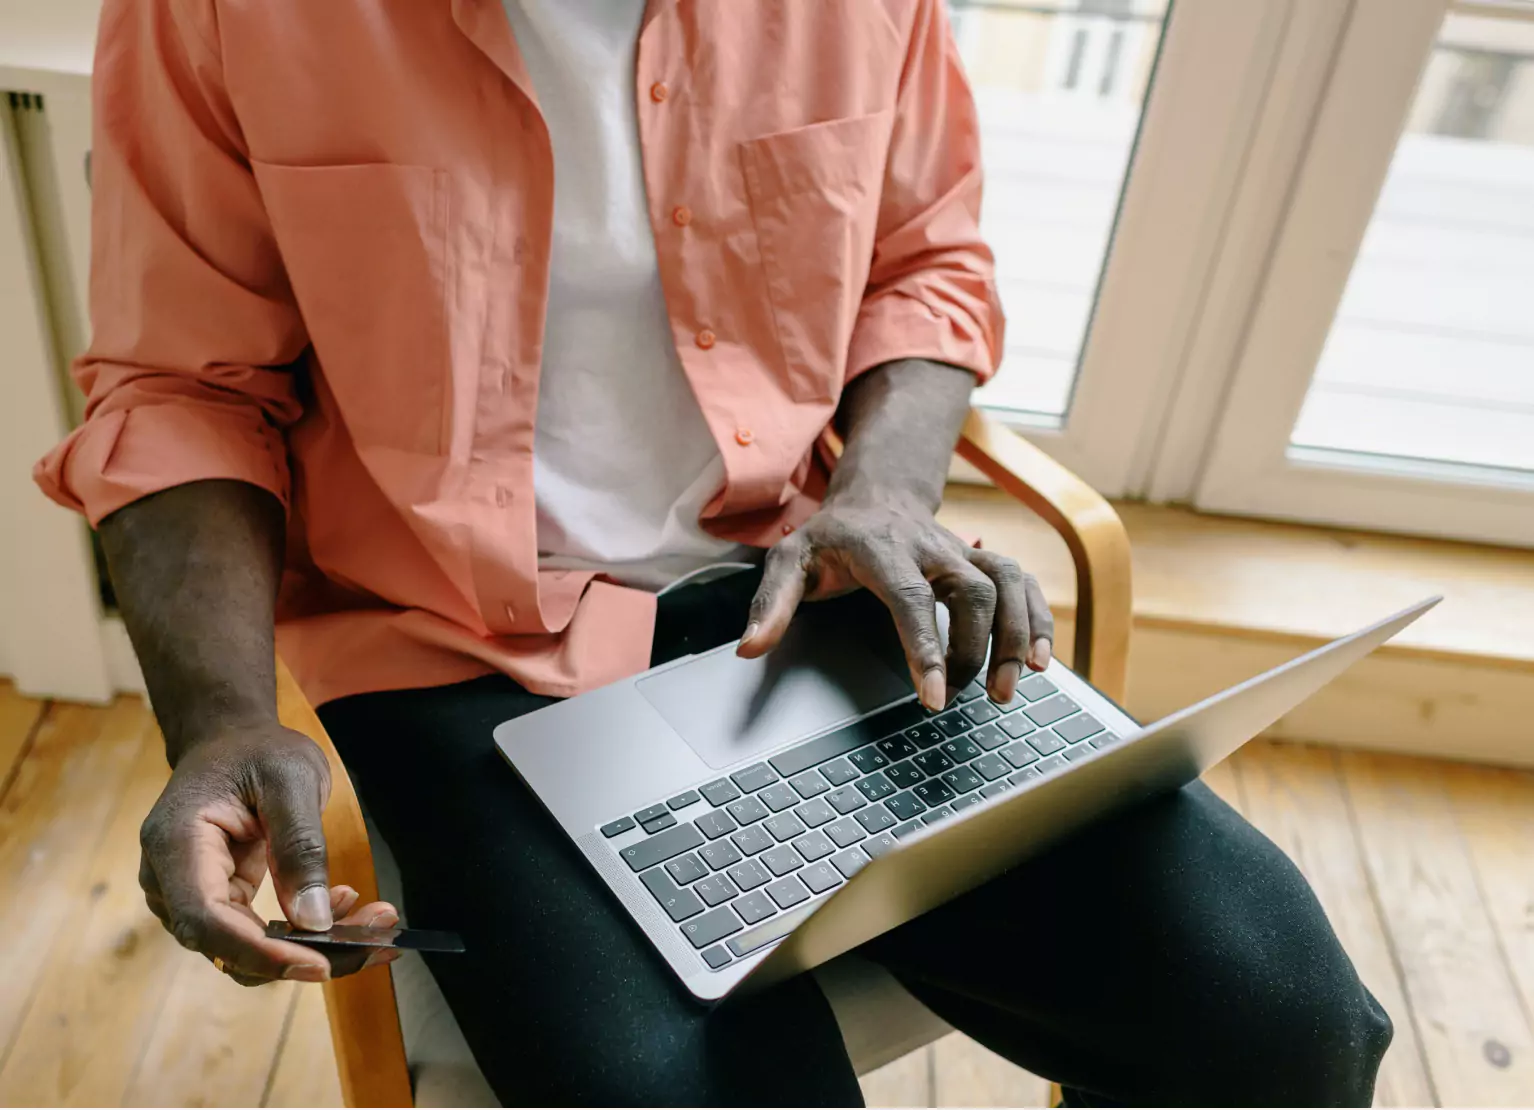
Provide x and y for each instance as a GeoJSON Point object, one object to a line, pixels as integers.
{"type": "Point", "coordinates": [751, 630]}
{"type": "Point", "coordinates": [384, 921]}
{"type": "Point", "coordinates": [933, 689]}
{"type": "Point", "coordinates": [1006, 681]}
{"type": "Point", "coordinates": [382, 956]}
{"type": "Point", "coordinates": [307, 973]}
{"type": "Point", "coordinates": [311, 909]}
{"type": "Point", "coordinates": [1038, 655]}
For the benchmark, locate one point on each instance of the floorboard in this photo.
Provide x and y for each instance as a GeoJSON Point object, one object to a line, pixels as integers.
{"type": "Point", "coordinates": [18, 718]}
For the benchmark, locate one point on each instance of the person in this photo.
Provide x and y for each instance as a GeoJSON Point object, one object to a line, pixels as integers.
{"type": "Point", "coordinates": [441, 337]}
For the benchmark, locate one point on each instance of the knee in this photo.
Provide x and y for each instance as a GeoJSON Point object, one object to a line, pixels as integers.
{"type": "Point", "coordinates": [1313, 1040]}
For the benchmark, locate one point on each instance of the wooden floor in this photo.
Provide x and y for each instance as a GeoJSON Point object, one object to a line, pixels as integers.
{"type": "Point", "coordinates": [1426, 869]}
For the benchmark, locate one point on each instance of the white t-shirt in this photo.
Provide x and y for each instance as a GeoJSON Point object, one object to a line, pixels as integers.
{"type": "Point", "coordinates": [623, 462]}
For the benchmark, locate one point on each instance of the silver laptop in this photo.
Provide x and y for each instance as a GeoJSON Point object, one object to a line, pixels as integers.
{"type": "Point", "coordinates": [758, 818]}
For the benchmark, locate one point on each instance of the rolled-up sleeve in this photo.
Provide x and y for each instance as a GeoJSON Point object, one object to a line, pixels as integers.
{"type": "Point", "coordinates": [194, 329]}
{"type": "Point", "coordinates": [932, 286]}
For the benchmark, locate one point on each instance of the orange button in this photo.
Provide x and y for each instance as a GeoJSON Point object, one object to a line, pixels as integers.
{"type": "Point", "coordinates": [745, 437]}
{"type": "Point", "coordinates": [707, 339]}
{"type": "Point", "coordinates": [681, 215]}
{"type": "Point", "coordinates": [659, 92]}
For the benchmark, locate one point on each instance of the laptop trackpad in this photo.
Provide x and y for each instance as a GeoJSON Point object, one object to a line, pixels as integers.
{"type": "Point", "coordinates": [826, 671]}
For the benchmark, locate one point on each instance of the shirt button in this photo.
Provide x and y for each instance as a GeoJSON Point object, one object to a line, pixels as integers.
{"type": "Point", "coordinates": [502, 495]}
{"type": "Point", "coordinates": [788, 529]}
{"type": "Point", "coordinates": [745, 437]}
{"type": "Point", "coordinates": [707, 339]}
{"type": "Point", "coordinates": [659, 92]}
{"type": "Point", "coordinates": [511, 614]}
{"type": "Point", "coordinates": [681, 215]}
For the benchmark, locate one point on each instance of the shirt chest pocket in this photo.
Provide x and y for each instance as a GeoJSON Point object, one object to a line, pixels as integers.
{"type": "Point", "coordinates": [814, 194]}
{"type": "Point", "coordinates": [365, 249]}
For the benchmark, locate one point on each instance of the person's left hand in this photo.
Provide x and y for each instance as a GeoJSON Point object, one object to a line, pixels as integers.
{"type": "Point", "coordinates": [893, 546]}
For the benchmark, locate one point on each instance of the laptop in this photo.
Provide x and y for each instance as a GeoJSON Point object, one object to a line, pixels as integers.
{"type": "Point", "coordinates": [757, 818]}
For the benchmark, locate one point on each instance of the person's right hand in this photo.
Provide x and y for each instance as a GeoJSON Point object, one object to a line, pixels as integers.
{"type": "Point", "coordinates": [238, 804]}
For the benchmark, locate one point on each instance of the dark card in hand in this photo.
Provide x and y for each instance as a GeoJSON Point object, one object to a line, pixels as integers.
{"type": "Point", "coordinates": [363, 936]}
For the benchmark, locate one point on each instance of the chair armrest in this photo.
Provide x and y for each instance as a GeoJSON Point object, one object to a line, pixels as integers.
{"type": "Point", "coordinates": [1092, 531]}
{"type": "Point", "coordinates": [364, 1020]}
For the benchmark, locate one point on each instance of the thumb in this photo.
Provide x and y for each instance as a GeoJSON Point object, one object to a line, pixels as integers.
{"type": "Point", "coordinates": [782, 588]}
{"type": "Point", "coordinates": [291, 804]}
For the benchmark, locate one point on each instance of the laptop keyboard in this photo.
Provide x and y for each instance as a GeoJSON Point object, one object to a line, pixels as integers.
{"type": "Point", "coordinates": [756, 846]}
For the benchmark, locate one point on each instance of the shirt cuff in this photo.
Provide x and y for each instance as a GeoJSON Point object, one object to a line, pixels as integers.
{"type": "Point", "coordinates": [900, 326]}
{"type": "Point", "coordinates": [118, 457]}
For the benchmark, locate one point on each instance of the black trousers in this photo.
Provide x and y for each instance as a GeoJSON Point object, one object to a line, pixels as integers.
{"type": "Point", "coordinates": [1172, 955]}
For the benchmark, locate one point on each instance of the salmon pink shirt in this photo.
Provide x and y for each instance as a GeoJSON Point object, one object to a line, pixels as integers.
{"type": "Point", "coordinates": [321, 265]}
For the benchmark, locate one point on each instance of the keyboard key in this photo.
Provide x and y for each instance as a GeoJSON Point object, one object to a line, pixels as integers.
{"type": "Point", "coordinates": [953, 723]}
{"type": "Point", "coordinates": [814, 846]}
{"type": "Point", "coordinates": [994, 790]}
{"type": "Point", "coordinates": [715, 889]}
{"type": "Point", "coordinates": [868, 759]}
{"type": "Point", "coordinates": [788, 892]}
{"type": "Point", "coordinates": [989, 737]}
{"type": "Point", "coordinates": [816, 812]}
{"type": "Point", "coordinates": [720, 855]}
{"type": "Point", "coordinates": [1050, 710]}
{"type": "Point", "coordinates": [749, 875]}
{"type": "Point", "coordinates": [781, 860]}
{"type": "Point", "coordinates": [764, 935]}
{"type": "Point", "coordinates": [1019, 754]}
{"type": "Point", "coordinates": [875, 818]}
{"type": "Point", "coordinates": [809, 784]}
{"type": "Point", "coordinates": [753, 840]}
{"type": "Point", "coordinates": [1046, 742]}
{"type": "Point", "coordinates": [961, 750]}
{"type": "Point", "coordinates": [1078, 728]}
{"type": "Point", "coordinates": [850, 862]}
{"type": "Point", "coordinates": [712, 926]}
{"type": "Point", "coordinates": [877, 846]}
{"type": "Point", "coordinates": [686, 869]}
{"type": "Point", "coordinates": [980, 712]}
{"type": "Point", "coordinates": [846, 739]}
{"type": "Point", "coordinates": [903, 831]}
{"type": "Point", "coordinates": [778, 797]}
{"type": "Point", "coordinates": [716, 957]}
{"type": "Point", "coordinates": [656, 824]}
{"type": "Point", "coordinates": [715, 824]}
{"type": "Point", "coordinates": [904, 774]}
{"type": "Point", "coordinates": [971, 692]}
{"type": "Point", "coordinates": [847, 799]}
{"type": "Point", "coordinates": [682, 800]}
{"type": "Point", "coordinates": [679, 904]}
{"type": "Point", "coordinates": [621, 825]}
{"type": "Point", "coordinates": [845, 832]}
{"type": "Point", "coordinates": [933, 762]}
{"type": "Point", "coordinates": [1017, 702]}
{"type": "Point", "coordinates": [903, 806]}
{"type": "Point", "coordinates": [1016, 726]}
{"type": "Point", "coordinates": [650, 813]}
{"type": "Point", "coordinates": [1102, 740]}
{"type": "Point", "coordinates": [897, 747]}
{"type": "Point", "coordinates": [658, 849]}
{"type": "Point", "coordinates": [719, 792]}
{"type": "Point", "coordinates": [924, 735]}
{"type": "Point", "coordinates": [754, 777]}
{"type": "Point", "coordinates": [933, 792]}
{"type": "Point", "coordinates": [1036, 687]}
{"type": "Point", "coordinates": [933, 816]}
{"type": "Point", "coordinates": [1026, 774]}
{"type": "Point", "coordinates": [992, 767]}
{"type": "Point", "coordinates": [746, 811]}
{"type": "Point", "coordinates": [1081, 751]}
{"type": "Point", "coordinates": [839, 772]}
{"type": "Point", "coordinates": [820, 878]}
{"type": "Point", "coordinates": [754, 907]}
{"type": "Point", "coordinates": [875, 786]}
{"type": "Point", "coordinates": [962, 780]}
{"type": "Point", "coordinates": [1052, 764]}
{"type": "Point", "coordinates": [783, 826]}
{"type": "Point", "coordinates": [966, 801]}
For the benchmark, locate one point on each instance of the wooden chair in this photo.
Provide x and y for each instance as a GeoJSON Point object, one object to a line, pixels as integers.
{"type": "Point", "coordinates": [879, 1020]}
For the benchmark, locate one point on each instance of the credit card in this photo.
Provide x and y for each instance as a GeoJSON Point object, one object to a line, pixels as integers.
{"type": "Point", "coordinates": [366, 936]}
